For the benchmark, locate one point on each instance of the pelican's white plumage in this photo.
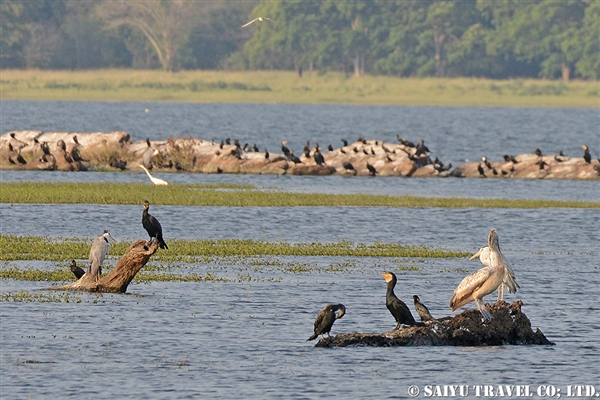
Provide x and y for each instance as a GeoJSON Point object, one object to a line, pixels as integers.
{"type": "Point", "coordinates": [98, 253]}
{"type": "Point", "coordinates": [509, 276]}
{"type": "Point", "coordinates": [482, 282]}
{"type": "Point", "coordinates": [259, 19]}
{"type": "Point", "coordinates": [154, 180]}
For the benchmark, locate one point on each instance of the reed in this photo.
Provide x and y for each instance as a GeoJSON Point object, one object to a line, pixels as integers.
{"type": "Point", "coordinates": [241, 196]}
{"type": "Point", "coordinates": [288, 87]}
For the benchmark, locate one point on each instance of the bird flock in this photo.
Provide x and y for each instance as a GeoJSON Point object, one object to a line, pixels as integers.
{"type": "Point", "coordinates": [495, 274]}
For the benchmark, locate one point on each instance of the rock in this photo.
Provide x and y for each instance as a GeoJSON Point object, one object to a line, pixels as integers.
{"type": "Point", "coordinates": [510, 326]}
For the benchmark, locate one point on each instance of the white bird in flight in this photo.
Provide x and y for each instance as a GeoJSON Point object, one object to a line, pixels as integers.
{"type": "Point", "coordinates": [484, 281]}
{"type": "Point", "coordinates": [154, 180]}
{"type": "Point", "coordinates": [260, 19]}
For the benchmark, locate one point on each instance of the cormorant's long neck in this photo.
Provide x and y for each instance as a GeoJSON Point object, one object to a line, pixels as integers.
{"type": "Point", "coordinates": [390, 289]}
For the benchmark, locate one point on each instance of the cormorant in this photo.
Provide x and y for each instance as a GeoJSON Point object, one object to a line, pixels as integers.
{"type": "Point", "coordinates": [486, 162]}
{"type": "Point", "coordinates": [354, 149]}
{"type": "Point", "coordinates": [228, 141]}
{"type": "Point", "coordinates": [284, 149]}
{"type": "Point", "coordinates": [510, 157]}
{"type": "Point", "coordinates": [542, 164]}
{"type": "Point", "coordinates": [538, 152]}
{"type": "Point", "coordinates": [372, 151]}
{"type": "Point", "coordinates": [421, 148]}
{"type": "Point", "coordinates": [365, 151]}
{"type": "Point", "coordinates": [348, 166]}
{"type": "Point", "coordinates": [397, 307]}
{"type": "Point", "coordinates": [307, 147]}
{"type": "Point", "coordinates": [422, 310]}
{"type": "Point", "coordinates": [342, 151]}
{"type": "Point", "coordinates": [293, 158]}
{"type": "Point", "coordinates": [330, 148]}
{"type": "Point", "coordinates": [345, 142]}
{"type": "Point", "coordinates": [586, 154]}
{"type": "Point", "coordinates": [371, 169]}
{"type": "Point", "coordinates": [77, 271]}
{"type": "Point", "coordinates": [152, 226]}
{"type": "Point", "coordinates": [385, 148]}
{"type": "Point", "coordinates": [266, 154]}
{"type": "Point", "coordinates": [221, 145]}
{"type": "Point", "coordinates": [255, 148]}
{"type": "Point", "coordinates": [319, 159]}
{"type": "Point", "coordinates": [481, 173]}
{"type": "Point", "coordinates": [326, 318]}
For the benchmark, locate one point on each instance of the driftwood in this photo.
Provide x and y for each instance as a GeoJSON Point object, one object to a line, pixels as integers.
{"type": "Point", "coordinates": [509, 326]}
{"type": "Point", "coordinates": [116, 281]}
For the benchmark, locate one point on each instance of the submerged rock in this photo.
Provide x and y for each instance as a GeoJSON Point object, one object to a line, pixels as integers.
{"type": "Point", "coordinates": [510, 326]}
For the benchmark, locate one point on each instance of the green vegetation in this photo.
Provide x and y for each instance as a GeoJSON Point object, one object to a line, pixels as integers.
{"type": "Point", "coordinates": [287, 87]}
{"type": "Point", "coordinates": [199, 195]}
{"type": "Point", "coordinates": [66, 249]}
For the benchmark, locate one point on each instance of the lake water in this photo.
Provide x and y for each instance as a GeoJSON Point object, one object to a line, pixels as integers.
{"type": "Point", "coordinates": [245, 338]}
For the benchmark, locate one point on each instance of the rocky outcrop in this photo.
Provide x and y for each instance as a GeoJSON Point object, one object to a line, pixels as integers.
{"type": "Point", "coordinates": [106, 151]}
{"type": "Point", "coordinates": [510, 326]}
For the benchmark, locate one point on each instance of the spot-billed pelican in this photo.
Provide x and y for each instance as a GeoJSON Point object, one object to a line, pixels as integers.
{"type": "Point", "coordinates": [98, 253]}
{"type": "Point", "coordinates": [326, 318]}
{"type": "Point", "coordinates": [397, 307]}
{"type": "Point", "coordinates": [259, 19]}
{"type": "Point", "coordinates": [154, 180]}
{"type": "Point", "coordinates": [482, 282]}
{"type": "Point", "coordinates": [509, 275]}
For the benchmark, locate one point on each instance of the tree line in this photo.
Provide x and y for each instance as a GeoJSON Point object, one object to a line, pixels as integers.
{"type": "Point", "coordinates": [482, 38]}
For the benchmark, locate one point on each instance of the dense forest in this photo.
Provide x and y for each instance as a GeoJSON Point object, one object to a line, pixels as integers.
{"type": "Point", "coordinates": [481, 38]}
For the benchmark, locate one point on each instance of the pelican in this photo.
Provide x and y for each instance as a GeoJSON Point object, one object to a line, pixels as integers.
{"type": "Point", "coordinates": [154, 180]}
{"type": "Point", "coordinates": [326, 318]}
{"type": "Point", "coordinates": [97, 254]}
{"type": "Point", "coordinates": [259, 19]}
{"type": "Point", "coordinates": [482, 282]}
{"type": "Point", "coordinates": [509, 275]}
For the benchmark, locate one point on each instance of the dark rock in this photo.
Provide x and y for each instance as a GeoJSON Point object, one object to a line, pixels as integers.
{"type": "Point", "coordinates": [509, 326]}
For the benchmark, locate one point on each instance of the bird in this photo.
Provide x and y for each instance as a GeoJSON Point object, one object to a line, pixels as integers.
{"type": "Point", "coordinates": [486, 162]}
{"type": "Point", "coordinates": [397, 307]}
{"type": "Point", "coordinates": [538, 152]}
{"type": "Point", "coordinates": [480, 170]}
{"type": "Point", "coordinates": [348, 166]}
{"type": "Point", "coordinates": [98, 253]}
{"type": "Point", "coordinates": [330, 148]}
{"type": "Point", "coordinates": [345, 142]}
{"type": "Point", "coordinates": [422, 310]}
{"type": "Point", "coordinates": [293, 158]}
{"type": "Point", "coordinates": [371, 169]}
{"type": "Point", "coordinates": [319, 159]}
{"type": "Point", "coordinates": [255, 148]}
{"type": "Point", "coordinates": [79, 272]}
{"type": "Point", "coordinates": [266, 154]}
{"type": "Point", "coordinates": [509, 279]}
{"type": "Point", "coordinates": [325, 319]}
{"type": "Point", "coordinates": [152, 226]}
{"type": "Point", "coordinates": [482, 282]}
{"type": "Point", "coordinates": [156, 181]}
{"type": "Point", "coordinates": [285, 149]}
{"type": "Point", "coordinates": [421, 148]}
{"type": "Point", "coordinates": [259, 19]}
{"type": "Point", "coordinates": [586, 154]}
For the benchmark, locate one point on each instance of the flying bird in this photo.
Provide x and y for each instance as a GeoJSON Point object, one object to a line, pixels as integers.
{"type": "Point", "coordinates": [259, 19]}
{"type": "Point", "coordinates": [326, 318]}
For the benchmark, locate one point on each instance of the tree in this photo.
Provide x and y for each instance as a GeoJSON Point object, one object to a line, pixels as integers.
{"type": "Point", "coordinates": [166, 24]}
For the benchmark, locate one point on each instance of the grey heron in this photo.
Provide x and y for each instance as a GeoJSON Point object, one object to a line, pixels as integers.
{"type": "Point", "coordinates": [98, 253]}
{"type": "Point", "coordinates": [482, 282]}
{"type": "Point", "coordinates": [326, 318]}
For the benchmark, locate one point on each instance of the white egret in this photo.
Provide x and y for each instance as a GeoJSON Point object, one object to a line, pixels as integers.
{"type": "Point", "coordinates": [482, 282]}
{"type": "Point", "coordinates": [259, 19]}
{"type": "Point", "coordinates": [154, 180]}
{"type": "Point", "coordinates": [98, 253]}
{"type": "Point", "coordinates": [509, 276]}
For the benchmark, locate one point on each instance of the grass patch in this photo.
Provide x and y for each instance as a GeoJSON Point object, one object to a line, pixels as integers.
{"type": "Point", "coordinates": [201, 195]}
{"type": "Point", "coordinates": [65, 249]}
{"type": "Point", "coordinates": [288, 87]}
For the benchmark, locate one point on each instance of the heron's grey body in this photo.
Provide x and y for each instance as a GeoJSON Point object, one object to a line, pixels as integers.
{"type": "Point", "coordinates": [98, 253]}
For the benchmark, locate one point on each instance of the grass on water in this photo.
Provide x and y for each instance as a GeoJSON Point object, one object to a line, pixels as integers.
{"type": "Point", "coordinates": [288, 87]}
{"type": "Point", "coordinates": [199, 195]}
{"type": "Point", "coordinates": [66, 249]}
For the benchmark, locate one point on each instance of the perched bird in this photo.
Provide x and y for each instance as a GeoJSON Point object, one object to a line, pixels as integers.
{"type": "Point", "coordinates": [486, 162]}
{"type": "Point", "coordinates": [326, 318]}
{"type": "Point", "coordinates": [259, 19]}
{"type": "Point", "coordinates": [330, 148]}
{"type": "Point", "coordinates": [542, 164]}
{"type": "Point", "coordinates": [345, 142]}
{"type": "Point", "coordinates": [255, 148]}
{"type": "Point", "coordinates": [538, 152]}
{"type": "Point", "coordinates": [482, 282]}
{"type": "Point", "coordinates": [319, 159]}
{"type": "Point", "coordinates": [397, 307]}
{"type": "Point", "coordinates": [284, 149]}
{"type": "Point", "coordinates": [586, 154]}
{"type": "Point", "coordinates": [422, 309]}
{"type": "Point", "coordinates": [371, 169]}
{"type": "Point", "coordinates": [98, 253]}
{"type": "Point", "coordinates": [156, 181]}
{"type": "Point", "coordinates": [266, 154]}
{"type": "Point", "coordinates": [509, 279]}
{"type": "Point", "coordinates": [152, 226]}
{"type": "Point", "coordinates": [79, 272]}
{"type": "Point", "coordinates": [347, 166]}
{"type": "Point", "coordinates": [293, 158]}
{"type": "Point", "coordinates": [421, 148]}
{"type": "Point", "coordinates": [481, 173]}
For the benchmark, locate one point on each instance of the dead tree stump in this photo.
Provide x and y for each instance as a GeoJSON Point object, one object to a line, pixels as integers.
{"type": "Point", "coordinates": [510, 326]}
{"type": "Point", "coordinates": [117, 281]}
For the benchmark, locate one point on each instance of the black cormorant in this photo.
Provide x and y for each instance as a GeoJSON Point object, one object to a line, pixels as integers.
{"type": "Point", "coordinates": [152, 226]}
{"type": "Point", "coordinates": [348, 166]}
{"type": "Point", "coordinates": [371, 169]}
{"type": "Point", "coordinates": [542, 164]}
{"type": "Point", "coordinates": [77, 271]}
{"type": "Point", "coordinates": [330, 148]}
{"type": "Point", "coordinates": [486, 162]}
{"type": "Point", "coordinates": [365, 151]}
{"type": "Point", "coordinates": [481, 173]}
{"type": "Point", "coordinates": [266, 154]}
{"type": "Point", "coordinates": [345, 142]}
{"type": "Point", "coordinates": [319, 159]}
{"type": "Point", "coordinates": [228, 141]}
{"type": "Point", "coordinates": [421, 148]}
{"type": "Point", "coordinates": [255, 148]}
{"type": "Point", "coordinates": [586, 154]}
{"type": "Point", "coordinates": [326, 318]}
{"type": "Point", "coordinates": [397, 307]}
{"type": "Point", "coordinates": [284, 149]}
{"type": "Point", "coordinates": [422, 310]}
{"type": "Point", "coordinates": [538, 152]}
{"type": "Point", "coordinates": [293, 158]}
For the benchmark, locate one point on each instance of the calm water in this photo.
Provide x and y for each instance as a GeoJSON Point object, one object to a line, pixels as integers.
{"type": "Point", "coordinates": [246, 339]}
